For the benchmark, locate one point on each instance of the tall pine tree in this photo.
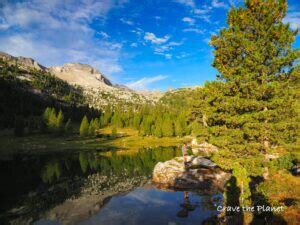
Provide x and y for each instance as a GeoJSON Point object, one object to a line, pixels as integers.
{"type": "Point", "coordinates": [84, 127]}
{"type": "Point", "coordinates": [255, 60]}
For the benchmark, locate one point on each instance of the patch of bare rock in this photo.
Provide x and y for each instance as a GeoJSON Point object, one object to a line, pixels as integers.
{"type": "Point", "coordinates": [199, 173]}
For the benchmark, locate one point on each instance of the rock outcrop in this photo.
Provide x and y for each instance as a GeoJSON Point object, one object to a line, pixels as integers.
{"type": "Point", "coordinates": [80, 74]}
{"type": "Point", "coordinates": [200, 173]}
{"type": "Point", "coordinates": [23, 61]}
{"type": "Point", "coordinates": [202, 147]}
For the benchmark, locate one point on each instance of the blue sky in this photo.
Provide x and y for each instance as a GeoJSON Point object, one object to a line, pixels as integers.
{"type": "Point", "coordinates": [144, 44]}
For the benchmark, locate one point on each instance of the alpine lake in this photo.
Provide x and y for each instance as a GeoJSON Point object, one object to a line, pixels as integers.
{"type": "Point", "coordinates": [96, 187]}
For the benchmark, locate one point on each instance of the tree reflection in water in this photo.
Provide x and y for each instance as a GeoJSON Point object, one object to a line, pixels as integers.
{"type": "Point", "coordinates": [35, 183]}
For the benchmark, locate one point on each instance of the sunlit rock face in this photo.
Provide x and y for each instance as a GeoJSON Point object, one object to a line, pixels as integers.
{"type": "Point", "coordinates": [200, 173]}
{"type": "Point", "coordinates": [80, 74]}
{"type": "Point", "coordinates": [23, 62]}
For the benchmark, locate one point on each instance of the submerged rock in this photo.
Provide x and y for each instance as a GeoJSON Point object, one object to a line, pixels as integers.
{"type": "Point", "coordinates": [199, 173]}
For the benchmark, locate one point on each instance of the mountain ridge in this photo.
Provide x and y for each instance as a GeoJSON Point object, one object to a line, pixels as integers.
{"type": "Point", "coordinates": [99, 91]}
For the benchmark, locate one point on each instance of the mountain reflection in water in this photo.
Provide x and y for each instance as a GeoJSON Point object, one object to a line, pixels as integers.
{"type": "Point", "coordinates": [38, 189]}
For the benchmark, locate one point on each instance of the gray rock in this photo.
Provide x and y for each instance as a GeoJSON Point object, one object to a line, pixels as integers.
{"type": "Point", "coordinates": [199, 173]}
{"type": "Point", "coordinates": [203, 162]}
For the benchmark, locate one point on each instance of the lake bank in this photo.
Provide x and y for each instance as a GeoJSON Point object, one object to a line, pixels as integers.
{"type": "Point", "coordinates": [126, 139]}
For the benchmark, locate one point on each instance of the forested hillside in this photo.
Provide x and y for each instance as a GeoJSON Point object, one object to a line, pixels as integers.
{"type": "Point", "coordinates": [26, 93]}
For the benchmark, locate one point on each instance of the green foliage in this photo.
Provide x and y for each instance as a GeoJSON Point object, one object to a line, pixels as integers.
{"type": "Point", "coordinates": [253, 105]}
{"type": "Point", "coordinates": [54, 121]}
{"type": "Point", "coordinates": [46, 114]}
{"type": "Point", "coordinates": [242, 181]}
{"type": "Point", "coordinates": [59, 121]}
{"type": "Point", "coordinates": [27, 93]}
{"type": "Point", "coordinates": [84, 127]}
{"type": "Point", "coordinates": [167, 127]}
{"type": "Point", "coordinates": [283, 162]}
{"type": "Point", "coordinates": [92, 128]}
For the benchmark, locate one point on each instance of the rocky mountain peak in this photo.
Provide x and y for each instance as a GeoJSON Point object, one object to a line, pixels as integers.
{"type": "Point", "coordinates": [80, 74]}
{"type": "Point", "coordinates": [23, 61]}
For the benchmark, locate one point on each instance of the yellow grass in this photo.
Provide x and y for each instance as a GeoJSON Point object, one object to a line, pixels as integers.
{"type": "Point", "coordinates": [128, 138]}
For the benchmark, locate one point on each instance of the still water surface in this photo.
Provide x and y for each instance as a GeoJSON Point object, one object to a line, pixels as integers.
{"type": "Point", "coordinates": [35, 188]}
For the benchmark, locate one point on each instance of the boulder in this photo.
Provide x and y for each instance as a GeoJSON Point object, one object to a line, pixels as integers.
{"type": "Point", "coordinates": [199, 173]}
{"type": "Point", "coordinates": [202, 147]}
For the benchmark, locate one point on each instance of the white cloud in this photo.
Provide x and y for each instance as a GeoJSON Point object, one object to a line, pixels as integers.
{"type": "Point", "coordinates": [217, 4]}
{"type": "Point", "coordinates": [201, 11]}
{"type": "Point", "coordinates": [54, 14]}
{"type": "Point", "coordinates": [168, 56]}
{"type": "Point", "coordinates": [195, 30]}
{"type": "Point", "coordinates": [182, 55]}
{"type": "Point", "coordinates": [138, 31]}
{"type": "Point", "coordinates": [166, 48]}
{"type": "Point", "coordinates": [133, 45]}
{"type": "Point", "coordinates": [104, 57]}
{"type": "Point", "coordinates": [104, 34]}
{"type": "Point", "coordinates": [126, 21]}
{"type": "Point", "coordinates": [188, 20]}
{"type": "Point", "coordinates": [55, 32]}
{"type": "Point", "coordinates": [294, 19]}
{"type": "Point", "coordinates": [142, 84]}
{"type": "Point", "coordinates": [161, 46]}
{"type": "Point", "coordinates": [156, 40]}
{"type": "Point", "coordinates": [189, 3]}
{"type": "Point", "coordinates": [206, 18]}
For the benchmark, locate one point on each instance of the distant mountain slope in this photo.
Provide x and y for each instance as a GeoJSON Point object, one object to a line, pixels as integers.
{"type": "Point", "coordinates": [98, 90]}
{"type": "Point", "coordinates": [24, 62]}
{"type": "Point", "coordinates": [80, 74]}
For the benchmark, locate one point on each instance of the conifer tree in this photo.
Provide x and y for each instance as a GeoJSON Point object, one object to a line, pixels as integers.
{"type": "Point", "coordinates": [97, 124]}
{"type": "Point", "coordinates": [157, 131]}
{"type": "Point", "coordinates": [146, 125]}
{"type": "Point", "coordinates": [92, 128]}
{"type": "Point", "coordinates": [59, 121]}
{"type": "Point", "coordinates": [167, 127]}
{"type": "Point", "coordinates": [52, 121]}
{"type": "Point", "coordinates": [84, 127]}
{"type": "Point", "coordinates": [46, 114]}
{"type": "Point", "coordinates": [137, 120]}
{"type": "Point", "coordinates": [255, 60]}
{"type": "Point", "coordinates": [180, 125]}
